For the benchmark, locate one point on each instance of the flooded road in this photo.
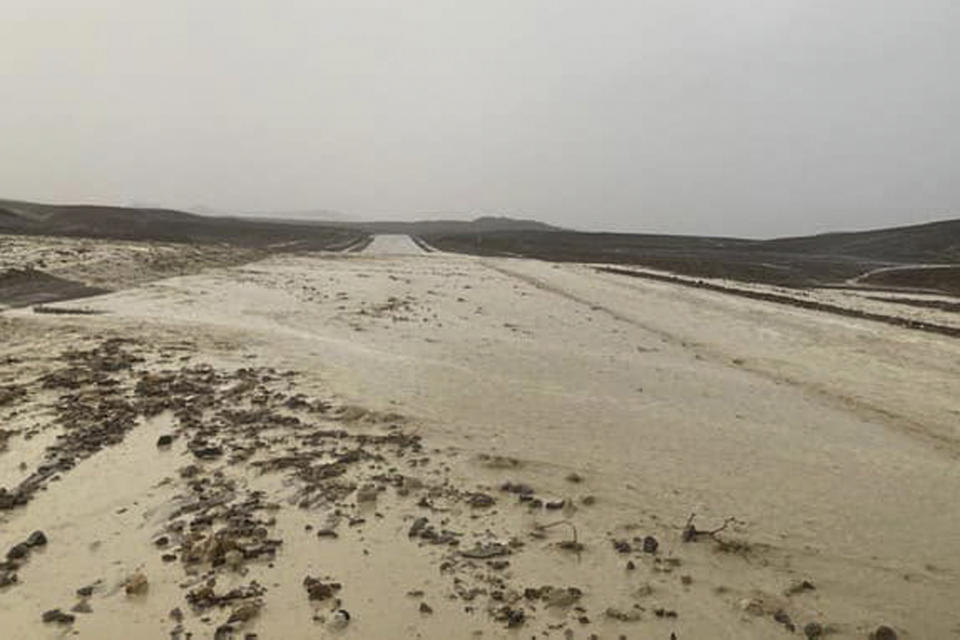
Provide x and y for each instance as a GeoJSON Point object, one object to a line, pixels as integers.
{"type": "Point", "coordinates": [476, 393]}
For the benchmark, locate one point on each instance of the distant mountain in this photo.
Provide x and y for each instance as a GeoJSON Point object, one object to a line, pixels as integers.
{"type": "Point", "coordinates": [124, 223]}
{"type": "Point", "coordinates": [930, 242]}
{"type": "Point", "coordinates": [304, 215]}
{"type": "Point", "coordinates": [833, 259]}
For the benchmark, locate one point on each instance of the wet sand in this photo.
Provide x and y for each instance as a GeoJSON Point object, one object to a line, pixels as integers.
{"type": "Point", "coordinates": [545, 419]}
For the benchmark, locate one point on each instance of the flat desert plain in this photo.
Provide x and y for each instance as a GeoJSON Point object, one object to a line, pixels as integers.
{"type": "Point", "coordinates": [398, 444]}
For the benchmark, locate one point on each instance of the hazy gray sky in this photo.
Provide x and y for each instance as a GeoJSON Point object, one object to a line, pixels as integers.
{"type": "Point", "coordinates": [738, 117]}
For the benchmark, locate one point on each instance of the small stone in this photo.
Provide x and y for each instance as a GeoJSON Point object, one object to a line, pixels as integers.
{"type": "Point", "coordinates": [622, 546]}
{"type": "Point", "coordinates": [165, 440]}
{"type": "Point", "coordinates": [783, 618]}
{"type": "Point", "coordinates": [7, 578]}
{"type": "Point", "coordinates": [884, 632]}
{"type": "Point", "coordinates": [319, 590]}
{"type": "Point", "coordinates": [37, 539]}
{"type": "Point", "coordinates": [574, 477]}
{"type": "Point", "coordinates": [425, 608]}
{"type": "Point", "coordinates": [57, 616]}
{"type": "Point", "coordinates": [18, 551]}
{"type": "Point", "coordinates": [480, 501]}
{"type": "Point", "coordinates": [813, 630]}
{"type": "Point", "coordinates": [630, 565]}
{"type": "Point", "coordinates": [208, 453]}
{"type": "Point", "coordinates": [82, 607]}
{"type": "Point", "coordinates": [799, 587]}
{"type": "Point", "coordinates": [340, 619]}
{"type": "Point", "coordinates": [245, 612]}
{"type": "Point", "coordinates": [176, 614]}
{"type": "Point", "coordinates": [650, 544]}
{"type": "Point", "coordinates": [555, 504]}
{"type": "Point", "coordinates": [85, 592]}
{"type": "Point", "coordinates": [417, 527]}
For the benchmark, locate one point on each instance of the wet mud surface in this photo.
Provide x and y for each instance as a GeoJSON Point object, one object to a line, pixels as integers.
{"type": "Point", "coordinates": [171, 479]}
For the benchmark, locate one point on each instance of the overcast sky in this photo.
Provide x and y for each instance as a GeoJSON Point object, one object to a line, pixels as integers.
{"type": "Point", "coordinates": [734, 117]}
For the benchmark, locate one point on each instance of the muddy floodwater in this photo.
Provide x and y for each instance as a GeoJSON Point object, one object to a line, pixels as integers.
{"type": "Point", "coordinates": [404, 443]}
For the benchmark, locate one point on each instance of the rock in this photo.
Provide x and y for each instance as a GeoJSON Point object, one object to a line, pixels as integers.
{"type": "Point", "coordinates": [555, 504]}
{"type": "Point", "coordinates": [165, 440]}
{"type": "Point", "coordinates": [85, 592]}
{"type": "Point", "coordinates": [317, 589]}
{"type": "Point", "coordinates": [484, 551]}
{"type": "Point", "coordinates": [799, 587]}
{"type": "Point", "coordinates": [340, 619]}
{"type": "Point", "coordinates": [884, 632]}
{"type": "Point", "coordinates": [57, 616]}
{"type": "Point", "coordinates": [7, 578]}
{"type": "Point", "coordinates": [208, 453]}
{"type": "Point", "coordinates": [783, 618]}
{"type": "Point", "coordinates": [630, 565]}
{"type": "Point", "coordinates": [136, 584]}
{"type": "Point", "coordinates": [417, 527]}
{"type": "Point", "coordinates": [176, 614]}
{"type": "Point", "coordinates": [513, 617]}
{"type": "Point", "coordinates": [650, 545]}
{"type": "Point", "coordinates": [37, 539]}
{"type": "Point", "coordinates": [622, 546]}
{"type": "Point", "coordinates": [82, 607]}
{"type": "Point", "coordinates": [813, 630]}
{"type": "Point", "coordinates": [517, 487]}
{"type": "Point", "coordinates": [480, 500]}
{"type": "Point", "coordinates": [245, 612]}
{"type": "Point", "coordinates": [18, 551]}
{"type": "Point", "coordinates": [624, 616]}
{"type": "Point", "coordinates": [425, 608]}
{"type": "Point", "coordinates": [575, 477]}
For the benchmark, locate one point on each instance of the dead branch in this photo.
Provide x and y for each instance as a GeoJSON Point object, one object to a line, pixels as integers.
{"type": "Point", "coordinates": [573, 545]}
{"type": "Point", "coordinates": [691, 533]}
